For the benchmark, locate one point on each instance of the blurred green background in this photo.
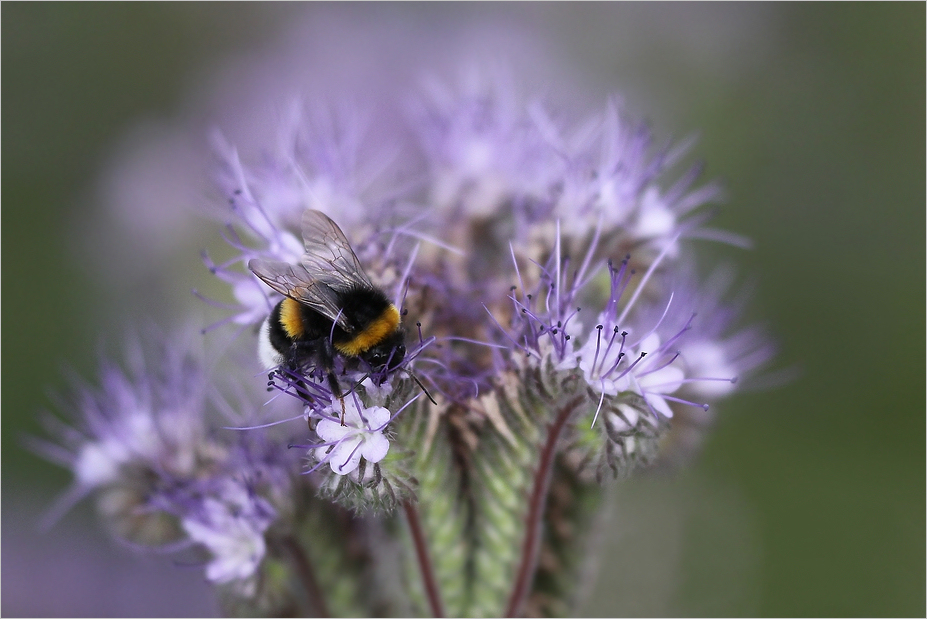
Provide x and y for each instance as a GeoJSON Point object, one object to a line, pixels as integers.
{"type": "Point", "coordinates": [807, 500]}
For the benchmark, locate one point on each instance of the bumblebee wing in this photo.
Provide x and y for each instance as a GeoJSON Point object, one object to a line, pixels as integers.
{"type": "Point", "coordinates": [329, 257]}
{"type": "Point", "coordinates": [296, 282]}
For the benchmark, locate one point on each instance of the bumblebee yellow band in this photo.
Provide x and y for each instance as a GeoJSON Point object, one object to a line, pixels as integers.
{"type": "Point", "coordinates": [375, 333]}
{"type": "Point", "coordinates": [291, 318]}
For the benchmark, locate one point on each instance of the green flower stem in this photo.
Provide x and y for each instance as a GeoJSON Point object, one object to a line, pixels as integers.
{"type": "Point", "coordinates": [424, 560]}
{"type": "Point", "coordinates": [531, 544]}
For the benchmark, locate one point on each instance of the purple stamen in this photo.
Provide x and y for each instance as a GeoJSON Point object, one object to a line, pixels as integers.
{"type": "Point", "coordinates": [578, 280]}
{"type": "Point", "coordinates": [650, 271]}
{"type": "Point", "coordinates": [611, 341]}
{"type": "Point", "coordinates": [351, 455]}
{"type": "Point", "coordinates": [630, 367]}
{"type": "Point", "coordinates": [265, 425]}
{"type": "Point", "coordinates": [700, 405]}
{"type": "Point", "coordinates": [598, 343]}
{"type": "Point", "coordinates": [660, 367]}
{"type": "Point", "coordinates": [397, 413]}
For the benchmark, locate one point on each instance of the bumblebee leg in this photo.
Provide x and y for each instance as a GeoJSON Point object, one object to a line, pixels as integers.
{"type": "Point", "coordinates": [336, 390]}
{"type": "Point", "coordinates": [326, 355]}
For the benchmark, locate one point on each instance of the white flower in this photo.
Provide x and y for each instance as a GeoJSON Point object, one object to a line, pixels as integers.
{"type": "Point", "coordinates": [709, 360]}
{"type": "Point", "coordinates": [611, 365]}
{"type": "Point", "coordinates": [604, 359]}
{"type": "Point", "coordinates": [131, 437]}
{"type": "Point", "coordinates": [654, 385]}
{"type": "Point", "coordinates": [232, 529]}
{"type": "Point", "coordinates": [361, 436]}
{"type": "Point", "coordinates": [655, 218]}
{"type": "Point", "coordinates": [97, 463]}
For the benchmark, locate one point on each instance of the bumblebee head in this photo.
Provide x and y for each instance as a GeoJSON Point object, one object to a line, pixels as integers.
{"type": "Point", "coordinates": [388, 353]}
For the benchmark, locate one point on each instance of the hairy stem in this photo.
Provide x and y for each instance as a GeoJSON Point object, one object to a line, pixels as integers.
{"type": "Point", "coordinates": [424, 561]}
{"type": "Point", "coordinates": [317, 606]}
{"type": "Point", "coordinates": [531, 544]}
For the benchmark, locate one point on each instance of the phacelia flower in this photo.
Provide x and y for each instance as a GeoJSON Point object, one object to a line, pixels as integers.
{"type": "Point", "coordinates": [360, 437]}
{"type": "Point", "coordinates": [231, 527]}
{"type": "Point", "coordinates": [548, 329]}
{"type": "Point", "coordinates": [150, 446]}
{"type": "Point", "coordinates": [151, 416]}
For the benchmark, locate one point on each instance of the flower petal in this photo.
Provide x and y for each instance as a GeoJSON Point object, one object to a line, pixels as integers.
{"type": "Point", "coordinates": [664, 380]}
{"type": "Point", "coordinates": [376, 418]}
{"type": "Point", "coordinates": [375, 447]}
{"type": "Point", "coordinates": [660, 405]}
{"type": "Point", "coordinates": [332, 431]}
{"type": "Point", "coordinates": [346, 455]}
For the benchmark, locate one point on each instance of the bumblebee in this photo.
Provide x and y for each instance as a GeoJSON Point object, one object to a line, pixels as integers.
{"type": "Point", "coordinates": [330, 308]}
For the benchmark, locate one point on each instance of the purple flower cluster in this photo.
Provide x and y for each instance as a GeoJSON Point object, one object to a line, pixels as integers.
{"type": "Point", "coordinates": [148, 445]}
{"type": "Point", "coordinates": [554, 328]}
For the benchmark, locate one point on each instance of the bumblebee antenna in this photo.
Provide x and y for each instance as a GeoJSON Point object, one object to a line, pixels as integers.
{"type": "Point", "coordinates": [406, 370]}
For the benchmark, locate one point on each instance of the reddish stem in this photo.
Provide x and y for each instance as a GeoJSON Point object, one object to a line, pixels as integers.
{"type": "Point", "coordinates": [424, 561]}
{"type": "Point", "coordinates": [530, 549]}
